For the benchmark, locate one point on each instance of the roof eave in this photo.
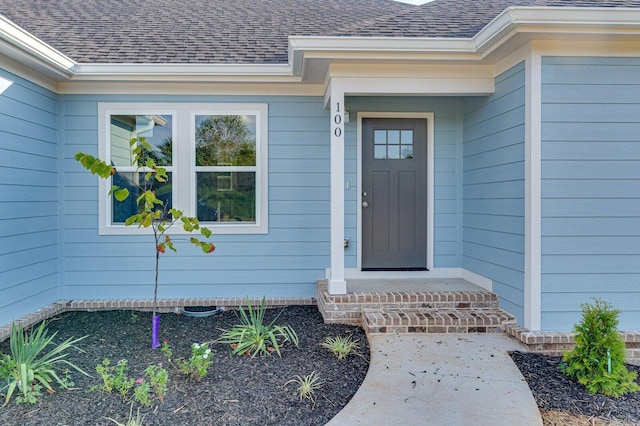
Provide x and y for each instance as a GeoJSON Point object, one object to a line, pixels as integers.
{"type": "Point", "coordinates": [24, 47]}
{"type": "Point", "coordinates": [21, 46]}
{"type": "Point", "coordinates": [557, 20]}
{"type": "Point", "coordinates": [182, 72]}
{"type": "Point", "coordinates": [513, 20]}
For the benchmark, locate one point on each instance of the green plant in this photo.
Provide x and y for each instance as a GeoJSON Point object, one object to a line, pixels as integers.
{"type": "Point", "coordinates": [142, 392]}
{"type": "Point", "coordinates": [254, 337]}
{"type": "Point", "coordinates": [198, 364]}
{"type": "Point", "coordinates": [307, 386]}
{"type": "Point", "coordinates": [166, 350]}
{"type": "Point", "coordinates": [598, 359]}
{"type": "Point", "coordinates": [114, 377]}
{"type": "Point", "coordinates": [153, 212]}
{"type": "Point", "coordinates": [30, 366]}
{"type": "Point", "coordinates": [158, 378]}
{"type": "Point", "coordinates": [137, 421]}
{"type": "Point", "coordinates": [341, 347]}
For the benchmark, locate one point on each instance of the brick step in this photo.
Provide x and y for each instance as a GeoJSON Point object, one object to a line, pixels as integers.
{"type": "Point", "coordinates": [348, 308]}
{"type": "Point", "coordinates": [487, 320]}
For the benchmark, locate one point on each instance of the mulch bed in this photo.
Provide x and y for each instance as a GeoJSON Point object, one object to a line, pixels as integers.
{"type": "Point", "coordinates": [238, 390]}
{"type": "Point", "coordinates": [553, 391]}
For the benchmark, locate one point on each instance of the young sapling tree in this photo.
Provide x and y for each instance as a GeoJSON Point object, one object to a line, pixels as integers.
{"type": "Point", "coordinates": [153, 213]}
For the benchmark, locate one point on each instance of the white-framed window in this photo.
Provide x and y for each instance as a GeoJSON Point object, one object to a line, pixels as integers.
{"type": "Point", "coordinates": [216, 156]}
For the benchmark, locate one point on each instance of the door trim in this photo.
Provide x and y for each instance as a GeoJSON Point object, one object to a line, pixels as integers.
{"type": "Point", "coordinates": [429, 116]}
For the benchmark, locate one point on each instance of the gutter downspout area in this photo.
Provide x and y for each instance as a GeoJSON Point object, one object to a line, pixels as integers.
{"type": "Point", "coordinates": [337, 282]}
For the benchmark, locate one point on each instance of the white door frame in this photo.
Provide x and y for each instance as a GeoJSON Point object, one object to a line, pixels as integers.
{"type": "Point", "coordinates": [429, 116]}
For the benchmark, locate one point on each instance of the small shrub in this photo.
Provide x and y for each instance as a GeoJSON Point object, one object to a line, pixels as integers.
{"type": "Point", "coordinates": [30, 366]}
{"type": "Point", "coordinates": [197, 366]}
{"type": "Point", "coordinates": [307, 386]}
{"type": "Point", "coordinates": [158, 378]}
{"type": "Point", "coordinates": [114, 377]}
{"type": "Point", "coordinates": [254, 337]}
{"type": "Point", "coordinates": [142, 392]}
{"type": "Point", "coordinates": [598, 359]}
{"type": "Point", "coordinates": [342, 347]}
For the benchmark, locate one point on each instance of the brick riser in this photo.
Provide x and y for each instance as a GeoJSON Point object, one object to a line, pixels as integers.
{"type": "Point", "coordinates": [415, 312]}
{"type": "Point", "coordinates": [480, 320]}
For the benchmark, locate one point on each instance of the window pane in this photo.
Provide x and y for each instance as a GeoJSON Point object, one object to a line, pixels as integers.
{"type": "Point", "coordinates": [123, 209]}
{"type": "Point", "coordinates": [394, 137]}
{"type": "Point", "coordinates": [407, 151]}
{"type": "Point", "coordinates": [226, 196]}
{"type": "Point", "coordinates": [225, 140]}
{"type": "Point", "coordinates": [407, 137]}
{"type": "Point", "coordinates": [380, 137]}
{"type": "Point", "coordinates": [394, 152]}
{"type": "Point", "coordinates": [380, 152]}
{"type": "Point", "coordinates": [157, 129]}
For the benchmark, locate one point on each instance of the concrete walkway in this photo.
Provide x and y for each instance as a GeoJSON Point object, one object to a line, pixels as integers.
{"type": "Point", "coordinates": [442, 379]}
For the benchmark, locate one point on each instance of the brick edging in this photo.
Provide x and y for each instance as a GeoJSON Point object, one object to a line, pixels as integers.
{"type": "Point", "coordinates": [164, 306]}
{"type": "Point", "coordinates": [557, 342]}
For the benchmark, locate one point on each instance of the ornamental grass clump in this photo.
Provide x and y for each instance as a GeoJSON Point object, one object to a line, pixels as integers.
{"type": "Point", "coordinates": [341, 347]}
{"type": "Point", "coordinates": [598, 359]}
{"type": "Point", "coordinates": [307, 386]}
{"type": "Point", "coordinates": [253, 337]}
{"type": "Point", "coordinates": [33, 362]}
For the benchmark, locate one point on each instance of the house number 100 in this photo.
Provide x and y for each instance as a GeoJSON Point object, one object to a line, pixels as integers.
{"type": "Point", "coordinates": [337, 119]}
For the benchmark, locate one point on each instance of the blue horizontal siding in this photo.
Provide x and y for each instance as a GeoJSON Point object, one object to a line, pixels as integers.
{"type": "Point", "coordinates": [590, 187]}
{"type": "Point", "coordinates": [493, 188]}
{"type": "Point", "coordinates": [285, 262]}
{"type": "Point", "coordinates": [28, 198]}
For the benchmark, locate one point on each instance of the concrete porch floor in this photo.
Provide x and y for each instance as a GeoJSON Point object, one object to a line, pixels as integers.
{"type": "Point", "coordinates": [383, 285]}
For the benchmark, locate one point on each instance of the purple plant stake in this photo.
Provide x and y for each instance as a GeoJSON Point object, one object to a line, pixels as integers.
{"type": "Point", "coordinates": [155, 332]}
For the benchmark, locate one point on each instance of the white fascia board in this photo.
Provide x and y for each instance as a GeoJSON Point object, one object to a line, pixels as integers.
{"type": "Point", "coordinates": [299, 45]}
{"type": "Point", "coordinates": [381, 44]}
{"type": "Point", "coordinates": [23, 42]}
{"type": "Point", "coordinates": [560, 20]}
{"type": "Point", "coordinates": [179, 71]}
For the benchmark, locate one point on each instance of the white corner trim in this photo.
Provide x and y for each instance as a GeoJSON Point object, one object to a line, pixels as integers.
{"type": "Point", "coordinates": [533, 194]}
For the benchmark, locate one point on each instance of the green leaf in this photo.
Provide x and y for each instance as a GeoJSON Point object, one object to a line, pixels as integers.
{"type": "Point", "coordinates": [175, 213]}
{"type": "Point", "coordinates": [205, 231]}
{"type": "Point", "coordinates": [147, 220]}
{"type": "Point", "coordinates": [121, 194]}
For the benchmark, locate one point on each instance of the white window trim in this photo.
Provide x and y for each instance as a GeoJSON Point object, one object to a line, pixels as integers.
{"type": "Point", "coordinates": [183, 175]}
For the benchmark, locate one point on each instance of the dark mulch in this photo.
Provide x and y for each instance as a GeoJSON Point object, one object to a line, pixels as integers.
{"type": "Point", "coordinates": [239, 390]}
{"type": "Point", "coordinates": [554, 391]}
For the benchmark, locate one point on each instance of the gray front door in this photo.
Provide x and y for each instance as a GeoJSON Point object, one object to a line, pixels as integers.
{"type": "Point", "coordinates": [394, 194]}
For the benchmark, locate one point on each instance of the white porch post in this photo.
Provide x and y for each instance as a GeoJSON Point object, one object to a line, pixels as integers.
{"type": "Point", "coordinates": [337, 283]}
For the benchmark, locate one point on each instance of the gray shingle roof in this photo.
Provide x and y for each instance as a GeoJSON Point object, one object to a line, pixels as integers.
{"type": "Point", "coordinates": [241, 31]}
{"type": "Point", "coordinates": [459, 18]}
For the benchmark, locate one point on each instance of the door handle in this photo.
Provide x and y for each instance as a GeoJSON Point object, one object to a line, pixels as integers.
{"type": "Point", "coordinates": [365, 204]}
